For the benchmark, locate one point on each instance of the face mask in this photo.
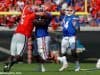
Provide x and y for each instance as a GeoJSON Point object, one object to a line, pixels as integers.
{"type": "Point", "coordinates": [69, 14]}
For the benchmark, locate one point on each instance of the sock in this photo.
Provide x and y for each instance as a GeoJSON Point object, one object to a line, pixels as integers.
{"type": "Point", "coordinates": [77, 63]}
{"type": "Point", "coordinates": [59, 59]}
{"type": "Point", "coordinates": [64, 60]}
{"type": "Point", "coordinates": [42, 65]}
{"type": "Point", "coordinates": [42, 68]}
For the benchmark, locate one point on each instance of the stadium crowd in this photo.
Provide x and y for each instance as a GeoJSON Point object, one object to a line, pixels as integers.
{"type": "Point", "coordinates": [92, 19]}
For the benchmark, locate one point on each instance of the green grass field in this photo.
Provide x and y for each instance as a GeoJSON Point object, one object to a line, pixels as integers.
{"type": "Point", "coordinates": [52, 69]}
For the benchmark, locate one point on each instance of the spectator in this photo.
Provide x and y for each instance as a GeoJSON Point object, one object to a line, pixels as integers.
{"type": "Point", "coordinates": [20, 4]}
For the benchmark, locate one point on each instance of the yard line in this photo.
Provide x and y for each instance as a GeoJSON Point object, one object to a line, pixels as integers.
{"type": "Point", "coordinates": [89, 69]}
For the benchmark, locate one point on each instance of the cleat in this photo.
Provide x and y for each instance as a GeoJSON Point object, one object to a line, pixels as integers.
{"type": "Point", "coordinates": [77, 68]}
{"type": "Point", "coordinates": [6, 68]}
{"type": "Point", "coordinates": [42, 68]}
{"type": "Point", "coordinates": [63, 67]}
{"type": "Point", "coordinates": [65, 64]}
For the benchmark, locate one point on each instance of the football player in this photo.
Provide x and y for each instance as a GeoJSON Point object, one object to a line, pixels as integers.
{"type": "Point", "coordinates": [70, 26]}
{"type": "Point", "coordinates": [21, 35]}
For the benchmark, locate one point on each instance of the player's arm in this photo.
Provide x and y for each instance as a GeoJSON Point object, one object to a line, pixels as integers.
{"type": "Point", "coordinates": [76, 23]}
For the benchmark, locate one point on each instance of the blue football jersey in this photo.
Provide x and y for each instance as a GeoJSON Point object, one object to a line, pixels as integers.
{"type": "Point", "coordinates": [69, 24]}
{"type": "Point", "coordinates": [42, 30]}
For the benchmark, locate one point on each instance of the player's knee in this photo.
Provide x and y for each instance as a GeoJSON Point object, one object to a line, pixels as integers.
{"type": "Point", "coordinates": [69, 52]}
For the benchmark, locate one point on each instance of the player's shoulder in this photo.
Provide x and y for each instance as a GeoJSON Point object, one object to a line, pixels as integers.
{"type": "Point", "coordinates": [74, 17]}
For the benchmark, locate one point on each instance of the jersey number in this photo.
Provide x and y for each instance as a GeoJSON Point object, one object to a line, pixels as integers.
{"type": "Point", "coordinates": [66, 24]}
